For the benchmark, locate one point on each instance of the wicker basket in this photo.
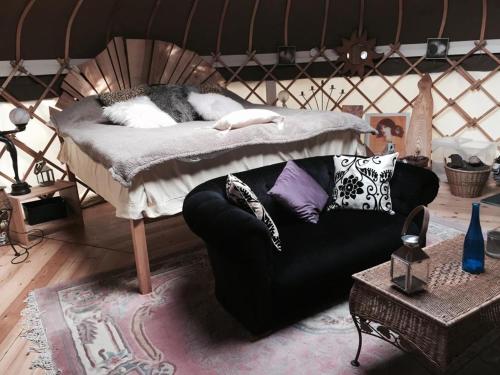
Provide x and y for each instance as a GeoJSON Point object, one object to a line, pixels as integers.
{"type": "Point", "coordinates": [466, 184]}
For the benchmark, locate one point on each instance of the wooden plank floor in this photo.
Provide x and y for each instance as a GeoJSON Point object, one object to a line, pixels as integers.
{"type": "Point", "coordinates": [104, 244]}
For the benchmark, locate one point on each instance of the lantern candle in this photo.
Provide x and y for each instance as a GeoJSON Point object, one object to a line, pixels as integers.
{"type": "Point", "coordinates": [410, 266]}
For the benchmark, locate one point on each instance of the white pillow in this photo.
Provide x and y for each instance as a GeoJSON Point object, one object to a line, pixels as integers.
{"type": "Point", "coordinates": [247, 117]}
{"type": "Point", "coordinates": [138, 112]}
{"type": "Point", "coordinates": [211, 106]}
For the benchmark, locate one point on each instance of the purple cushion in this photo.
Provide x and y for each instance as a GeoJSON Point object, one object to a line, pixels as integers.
{"type": "Point", "coordinates": [298, 191]}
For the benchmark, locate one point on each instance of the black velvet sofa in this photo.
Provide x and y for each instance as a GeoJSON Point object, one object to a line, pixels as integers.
{"type": "Point", "coordinates": [265, 289]}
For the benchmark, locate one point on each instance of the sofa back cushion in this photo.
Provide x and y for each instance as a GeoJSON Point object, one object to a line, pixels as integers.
{"type": "Point", "coordinates": [261, 180]}
{"type": "Point", "coordinates": [410, 185]}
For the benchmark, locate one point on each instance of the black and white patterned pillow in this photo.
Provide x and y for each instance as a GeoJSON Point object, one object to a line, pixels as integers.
{"type": "Point", "coordinates": [363, 183]}
{"type": "Point", "coordinates": [240, 194]}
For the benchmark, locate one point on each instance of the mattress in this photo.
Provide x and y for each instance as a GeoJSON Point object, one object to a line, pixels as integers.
{"type": "Point", "coordinates": [160, 191]}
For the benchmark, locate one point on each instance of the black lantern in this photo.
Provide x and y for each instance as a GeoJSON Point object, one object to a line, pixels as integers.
{"type": "Point", "coordinates": [410, 266]}
{"type": "Point", "coordinates": [44, 174]}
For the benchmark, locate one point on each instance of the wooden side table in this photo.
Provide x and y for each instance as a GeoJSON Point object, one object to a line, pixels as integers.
{"type": "Point", "coordinates": [459, 310]}
{"type": "Point", "coordinates": [19, 228]}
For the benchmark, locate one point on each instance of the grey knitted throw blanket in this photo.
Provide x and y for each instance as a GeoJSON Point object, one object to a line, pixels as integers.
{"type": "Point", "coordinates": [128, 151]}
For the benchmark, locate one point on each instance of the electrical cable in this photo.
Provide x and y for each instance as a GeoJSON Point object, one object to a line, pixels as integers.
{"type": "Point", "coordinates": [22, 255]}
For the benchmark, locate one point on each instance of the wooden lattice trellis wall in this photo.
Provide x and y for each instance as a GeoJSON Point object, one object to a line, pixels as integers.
{"type": "Point", "coordinates": [264, 89]}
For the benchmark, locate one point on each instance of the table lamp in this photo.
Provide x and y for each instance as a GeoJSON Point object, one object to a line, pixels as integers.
{"type": "Point", "coordinates": [20, 118]}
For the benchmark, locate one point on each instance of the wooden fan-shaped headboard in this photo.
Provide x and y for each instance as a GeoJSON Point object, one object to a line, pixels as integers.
{"type": "Point", "coordinates": [127, 63]}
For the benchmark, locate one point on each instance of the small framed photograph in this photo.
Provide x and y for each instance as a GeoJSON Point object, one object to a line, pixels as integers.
{"type": "Point", "coordinates": [391, 129]}
{"type": "Point", "coordinates": [286, 55]}
{"type": "Point", "coordinates": [437, 48]}
{"type": "Point", "coordinates": [356, 110]}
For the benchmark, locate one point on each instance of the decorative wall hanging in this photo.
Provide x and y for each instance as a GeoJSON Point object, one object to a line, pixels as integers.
{"type": "Point", "coordinates": [325, 101]}
{"type": "Point", "coordinates": [356, 53]}
{"type": "Point", "coordinates": [419, 135]}
{"type": "Point", "coordinates": [437, 48]}
{"type": "Point", "coordinates": [286, 55]}
{"type": "Point", "coordinates": [391, 129]}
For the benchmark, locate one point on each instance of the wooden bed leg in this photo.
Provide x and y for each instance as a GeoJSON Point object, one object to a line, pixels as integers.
{"type": "Point", "coordinates": [141, 255]}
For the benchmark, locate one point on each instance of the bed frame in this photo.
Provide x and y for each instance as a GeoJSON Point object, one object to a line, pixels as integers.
{"type": "Point", "coordinates": [126, 63]}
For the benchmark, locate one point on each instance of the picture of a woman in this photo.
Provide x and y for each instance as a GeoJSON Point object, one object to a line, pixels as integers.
{"type": "Point", "coordinates": [391, 129]}
{"type": "Point", "coordinates": [388, 129]}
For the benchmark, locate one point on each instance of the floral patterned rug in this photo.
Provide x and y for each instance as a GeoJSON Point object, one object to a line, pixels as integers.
{"type": "Point", "coordinates": [105, 327]}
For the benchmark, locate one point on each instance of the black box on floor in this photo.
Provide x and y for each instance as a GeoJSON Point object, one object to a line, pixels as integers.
{"type": "Point", "coordinates": [43, 210]}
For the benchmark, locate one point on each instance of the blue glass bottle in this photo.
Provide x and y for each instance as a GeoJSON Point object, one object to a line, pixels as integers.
{"type": "Point", "coordinates": [473, 257]}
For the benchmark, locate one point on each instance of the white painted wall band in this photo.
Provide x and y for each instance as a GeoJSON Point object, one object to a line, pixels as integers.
{"type": "Point", "coordinates": [49, 67]}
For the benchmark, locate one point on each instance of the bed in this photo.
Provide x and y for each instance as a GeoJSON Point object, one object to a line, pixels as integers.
{"type": "Point", "coordinates": [157, 189]}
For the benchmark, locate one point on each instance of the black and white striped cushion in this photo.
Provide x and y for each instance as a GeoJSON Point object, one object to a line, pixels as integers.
{"type": "Point", "coordinates": [240, 194]}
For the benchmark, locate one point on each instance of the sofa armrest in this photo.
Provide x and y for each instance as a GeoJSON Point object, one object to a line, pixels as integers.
{"type": "Point", "coordinates": [225, 226]}
{"type": "Point", "coordinates": [411, 187]}
{"type": "Point", "coordinates": [240, 251]}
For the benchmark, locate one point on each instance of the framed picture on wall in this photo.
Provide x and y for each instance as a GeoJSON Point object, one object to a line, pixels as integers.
{"type": "Point", "coordinates": [286, 55]}
{"type": "Point", "coordinates": [356, 110]}
{"type": "Point", "coordinates": [391, 128]}
{"type": "Point", "coordinates": [437, 48]}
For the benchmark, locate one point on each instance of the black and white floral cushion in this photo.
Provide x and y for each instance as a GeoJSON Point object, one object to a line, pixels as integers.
{"type": "Point", "coordinates": [240, 194]}
{"type": "Point", "coordinates": [363, 183]}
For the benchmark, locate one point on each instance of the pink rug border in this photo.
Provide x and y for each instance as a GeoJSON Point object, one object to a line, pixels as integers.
{"type": "Point", "coordinates": [35, 329]}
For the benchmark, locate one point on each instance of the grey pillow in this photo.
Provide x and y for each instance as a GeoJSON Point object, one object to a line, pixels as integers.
{"type": "Point", "coordinates": [173, 100]}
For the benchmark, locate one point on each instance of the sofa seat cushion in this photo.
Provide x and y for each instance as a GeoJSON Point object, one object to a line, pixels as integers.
{"type": "Point", "coordinates": [343, 242]}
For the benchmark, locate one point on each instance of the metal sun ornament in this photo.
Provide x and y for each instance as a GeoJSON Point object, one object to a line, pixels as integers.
{"type": "Point", "coordinates": [356, 53]}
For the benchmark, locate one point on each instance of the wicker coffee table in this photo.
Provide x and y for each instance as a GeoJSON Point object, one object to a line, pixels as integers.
{"type": "Point", "coordinates": [458, 311]}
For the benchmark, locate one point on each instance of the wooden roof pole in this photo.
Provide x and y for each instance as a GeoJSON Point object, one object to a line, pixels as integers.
{"type": "Point", "coordinates": [221, 26]}
{"type": "Point", "coordinates": [443, 18]}
{"type": "Point", "coordinates": [400, 22]}
{"type": "Point", "coordinates": [483, 20]}
{"type": "Point", "coordinates": [361, 16]}
{"type": "Point", "coordinates": [19, 28]}
{"type": "Point", "coordinates": [152, 17]}
{"type": "Point", "coordinates": [252, 24]}
{"type": "Point", "coordinates": [114, 9]}
{"type": "Point", "coordinates": [325, 23]}
{"type": "Point", "coordinates": [287, 16]}
{"type": "Point", "coordinates": [188, 23]}
{"type": "Point", "coordinates": [68, 29]}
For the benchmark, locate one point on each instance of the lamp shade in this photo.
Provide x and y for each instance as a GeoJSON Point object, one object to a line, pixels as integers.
{"type": "Point", "coordinates": [19, 116]}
